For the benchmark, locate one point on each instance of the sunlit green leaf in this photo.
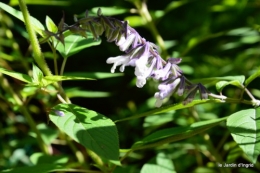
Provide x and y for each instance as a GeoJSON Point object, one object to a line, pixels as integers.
{"type": "Point", "coordinates": [18, 14]}
{"type": "Point", "coordinates": [94, 75]}
{"type": "Point", "coordinates": [222, 84]}
{"type": "Point", "coordinates": [37, 75]}
{"type": "Point", "coordinates": [43, 2]}
{"type": "Point", "coordinates": [252, 77]}
{"type": "Point", "coordinates": [76, 92]}
{"type": "Point", "coordinates": [50, 25]}
{"type": "Point", "coordinates": [110, 11]}
{"type": "Point", "coordinates": [89, 128]}
{"type": "Point", "coordinates": [244, 127]}
{"type": "Point", "coordinates": [161, 163]}
{"type": "Point", "coordinates": [22, 77]}
{"type": "Point", "coordinates": [76, 43]}
{"type": "Point", "coordinates": [40, 158]}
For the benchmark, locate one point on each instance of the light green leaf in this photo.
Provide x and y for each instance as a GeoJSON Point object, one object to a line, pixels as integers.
{"type": "Point", "coordinates": [110, 11]}
{"type": "Point", "coordinates": [22, 77]}
{"type": "Point", "coordinates": [95, 75]}
{"type": "Point", "coordinates": [48, 134]}
{"type": "Point", "coordinates": [76, 43]}
{"type": "Point", "coordinates": [56, 78]}
{"type": "Point", "coordinates": [175, 134]}
{"type": "Point", "coordinates": [160, 164]}
{"type": "Point", "coordinates": [222, 84]}
{"type": "Point", "coordinates": [135, 21]}
{"type": "Point", "coordinates": [43, 2]}
{"type": "Point", "coordinates": [214, 80]}
{"type": "Point", "coordinates": [76, 92]}
{"type": "Point", "coordinates": [244, 127]}
{"type": "Point", "coordinates": [37, 25]}
{"type": "Point", "coordinates": [252, 77]}
{"type": "Point", "coordinates": [50, 25]}
{"type": "Point", "coordinates": [40, 158]}
{"type": "Point", "coordinates": [89, 128]}
{"type": "Point", "coordinates": [37, 75]}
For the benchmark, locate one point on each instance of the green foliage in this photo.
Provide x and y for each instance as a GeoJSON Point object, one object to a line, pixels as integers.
{"type": "Point", "coordinates": [50, 120]}
{"type": "Point", "coordinates": [89, 128]}
{"type": "Point", "coordinates": [244, 126]}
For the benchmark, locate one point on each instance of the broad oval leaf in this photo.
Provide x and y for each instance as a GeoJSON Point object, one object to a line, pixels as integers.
{"type": "Point", "coordinates": [175, 134]}
{"type": "Point", "coordinates": [76, 43]}
{"type": "Point", "coordinates": [244, 127]}
{"type": "Point", "coordinates": [89, 128]}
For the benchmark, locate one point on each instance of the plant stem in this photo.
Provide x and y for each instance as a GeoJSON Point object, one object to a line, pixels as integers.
{"type": "Point", "coordinates": [24, 111]}
{"type": "Point", "coordinates": [143, 11]}
{"type": "Point", "coordinates": [38, 56]}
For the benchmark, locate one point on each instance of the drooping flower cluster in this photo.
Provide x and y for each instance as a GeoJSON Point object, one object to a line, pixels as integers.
{"type": "Point", "coordinates": [141, 54]}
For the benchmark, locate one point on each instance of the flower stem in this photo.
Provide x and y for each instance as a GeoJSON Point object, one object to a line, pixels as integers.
{"type": "Point", "coordinates": [8, 89]}
{"type": "Point", "coordinates": [38, 56]}
{"type": "Point", "coordinates": [143, 11]}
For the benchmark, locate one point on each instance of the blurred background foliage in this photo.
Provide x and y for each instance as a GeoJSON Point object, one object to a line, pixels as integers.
{"type": "Point", "coordinates": [213, 38]}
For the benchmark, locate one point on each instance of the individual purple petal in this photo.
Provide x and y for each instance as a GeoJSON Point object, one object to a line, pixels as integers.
{"type": "Point", "coordinates": [59, 113]}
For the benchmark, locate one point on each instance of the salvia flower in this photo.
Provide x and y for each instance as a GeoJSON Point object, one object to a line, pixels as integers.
{"type": "Point", "coordinates": [139, 53]}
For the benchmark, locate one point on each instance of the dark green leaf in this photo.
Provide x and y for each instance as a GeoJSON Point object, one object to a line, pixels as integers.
{"type": "Point", "coordinates": [244, 127]}
{"type": "Point", "coordinates": [170, 108]}
{"type": "Point", "coordinates": [89, 128]}
{"type": "Point", "coordinates": [175, 134]}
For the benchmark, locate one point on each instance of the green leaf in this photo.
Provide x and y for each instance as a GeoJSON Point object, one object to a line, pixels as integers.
{"type": "Point", "coordinates": [76, 92]}
{"type": "Point", "coordinates": [222, 84]}
{"type": "Point", "coordinates": [175, 134]}
{"type": "Point", "coordinates": [40, 158]}
{"type": "Point", "coordinates": [161, 163]}
{"type": "Point", "coordinates": [214, 80]}
{"type": "Point", "coordinates": [56, 78]}
{"type": "Point", "coordinates": [38, 27]}
{"type": "Point", "coordinates": [42, 2]}
{"type": "Point", "coordinates": [48, 134]}
{"type": "Point", "coordinates": [50, 25]}
{"type": "Point", "coordinates": [244, 127]}
{"type": "Point", "coordinates": [95, 75]}
{"type": "Point", "coordinates": [252, 77]}
{"type": "Point", "coordinates": [76, 43]}
{"type": "Point", "coordinates": [135, 21]}
{"type": "Point", "coordinates": [37, 75]}
{"type": "Point", "coordinates": [89, 128]}
{"type": "Point", "coordinates": [22, 77]}
{"type": "Point", "coordinates": [43, 168]}
{"type": "Point", "coordinates": [170, 108]}
{"type": "Point", "coordinates": [110, 11]}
